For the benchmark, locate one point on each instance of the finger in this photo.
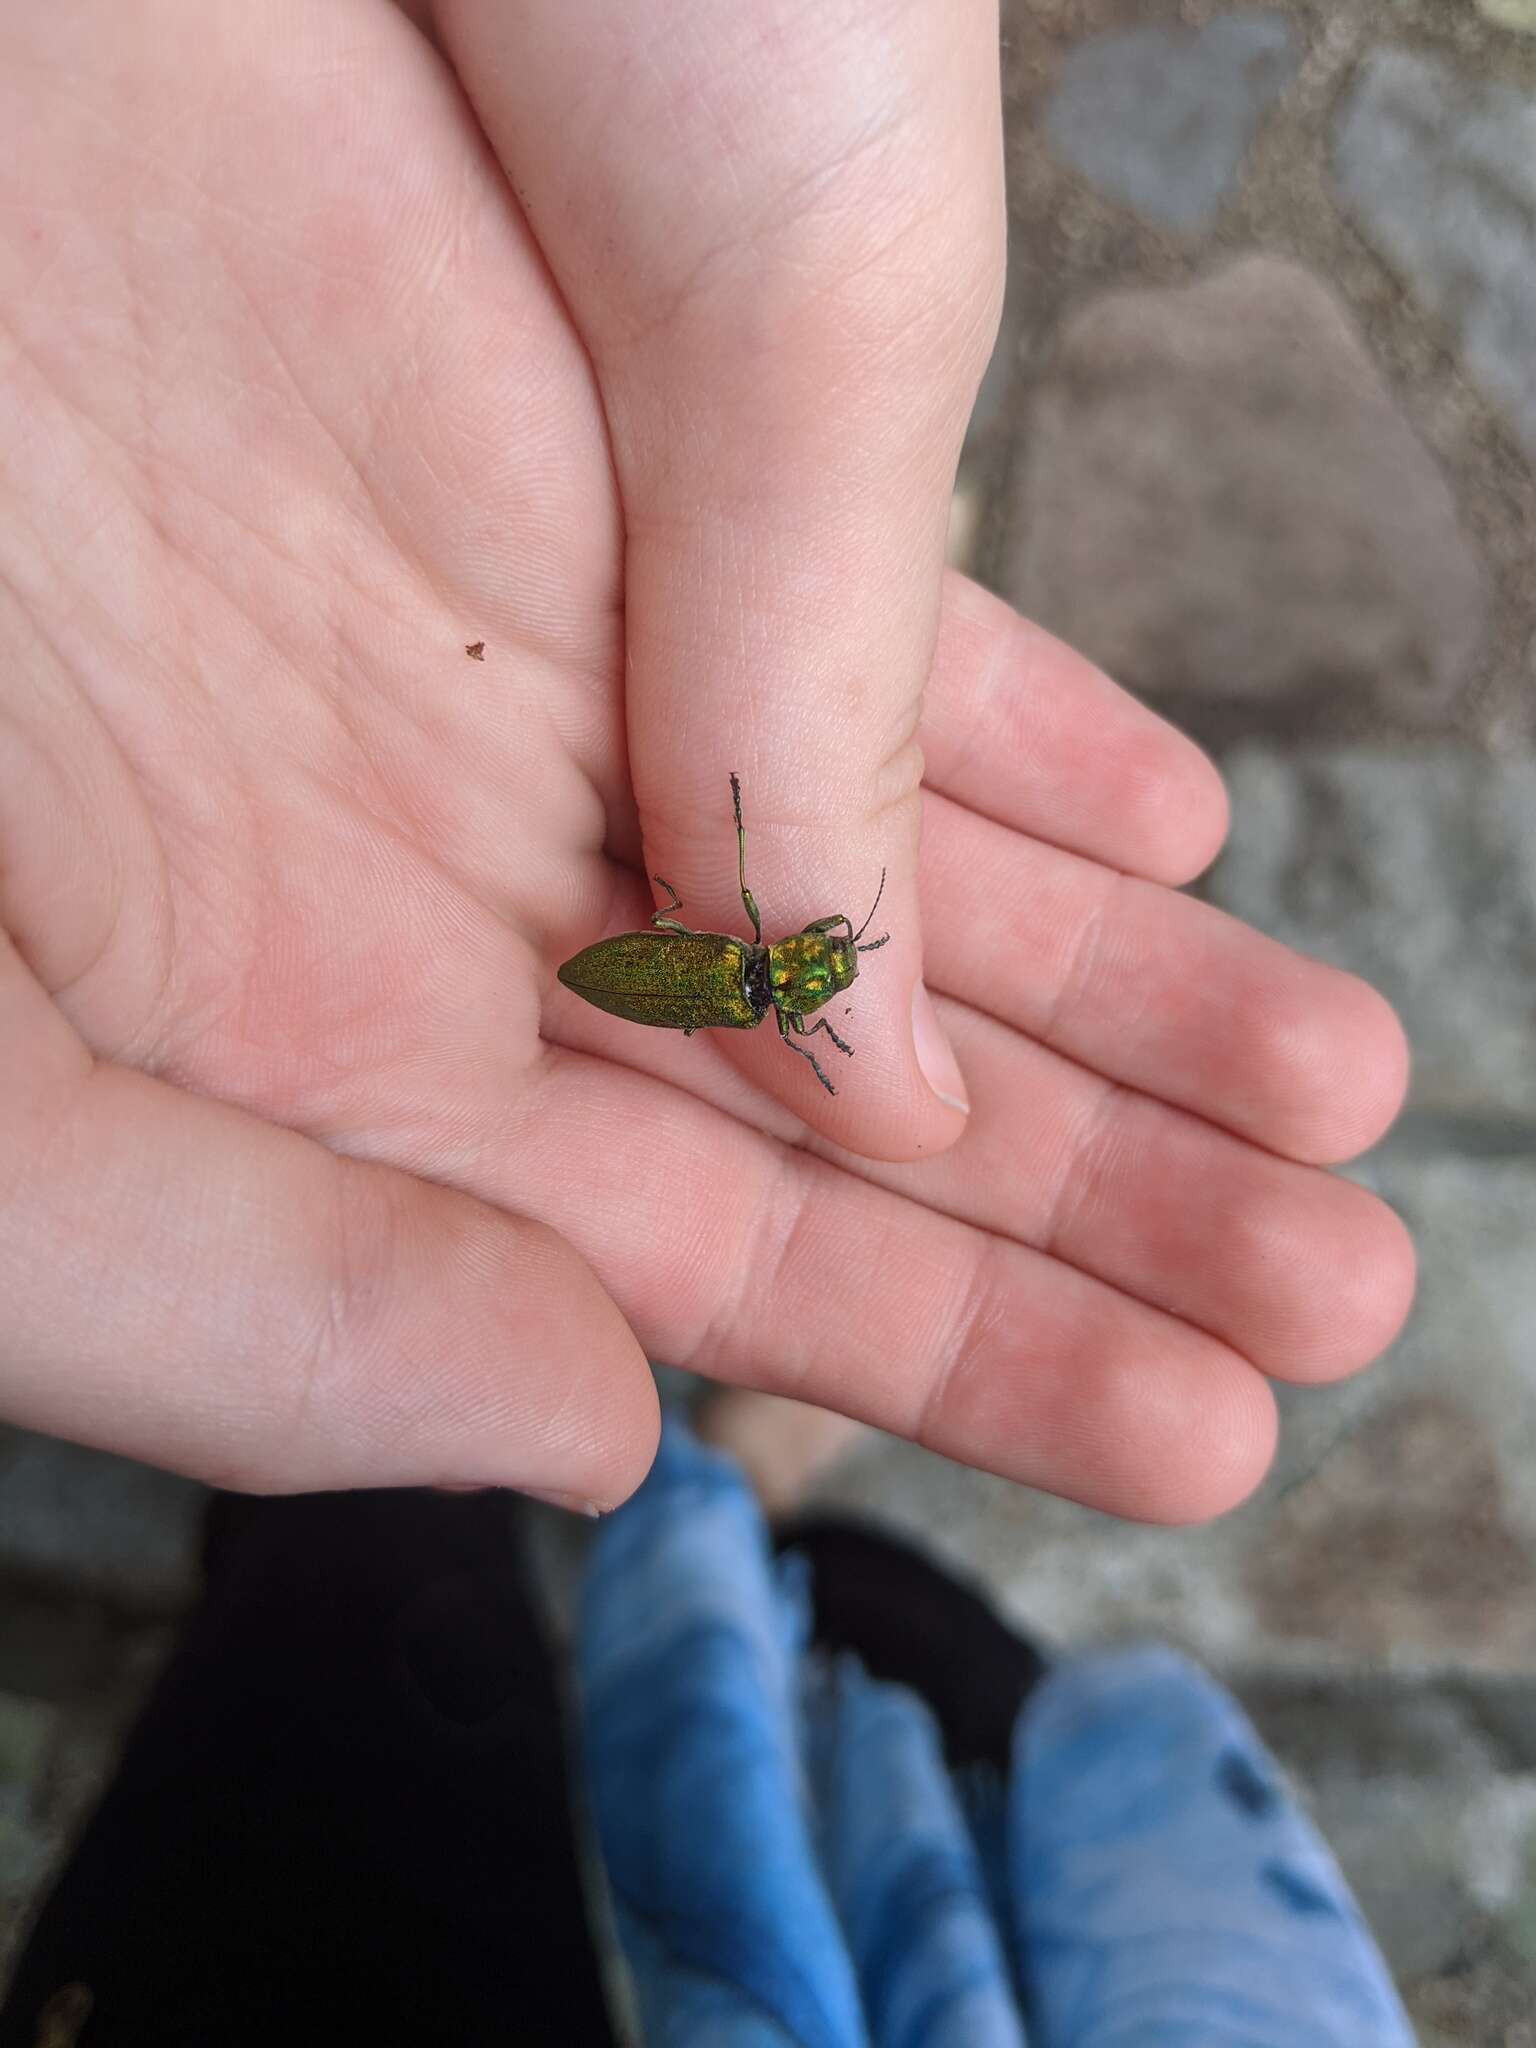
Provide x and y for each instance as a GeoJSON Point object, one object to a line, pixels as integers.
{"type": "Point", "coordinates": [1018, 727]}
{"type": "Point", "coordinates": [189, 1285]}
{"type": "Point", "coordinates": [787, 356]}
{"type": "Point", "coordinates": [761, 1266]}
{"type": "Point", "coordinates": [1159, 991]}
{"type": "Point", "coordinates": [1149, 988]}
{"type": "Point", "coordinates": [1307, 1275]}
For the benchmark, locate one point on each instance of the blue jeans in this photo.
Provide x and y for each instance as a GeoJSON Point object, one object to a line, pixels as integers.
{"type": "Point", "coordinates": [796, 1855]}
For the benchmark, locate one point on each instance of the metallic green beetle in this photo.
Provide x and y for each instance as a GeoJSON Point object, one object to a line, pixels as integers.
{"type": "Point", "coordinates": [682, 980]}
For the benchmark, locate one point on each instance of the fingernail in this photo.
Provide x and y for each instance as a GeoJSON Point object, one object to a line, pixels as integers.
{"type": "Point", "coordinates": [571, 1502]}
{"type": "Point", "coordinates": [935, 1054]}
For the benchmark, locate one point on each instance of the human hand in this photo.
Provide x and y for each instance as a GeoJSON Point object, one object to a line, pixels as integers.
{"type": "Point", "coordinates": [312, 1174]}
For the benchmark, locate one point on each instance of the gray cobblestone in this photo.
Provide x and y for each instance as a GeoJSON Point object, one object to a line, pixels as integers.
{"type": "Point", "coordinates": [1439, 169]}
{"type": "Point", "coordinates": [1419, 872]}
{"type": "Point", "coordinates": [1160, 118]}
{"type": "Point", "coordinates": [1222, 504]}
{"type": "Point", "coordinates": [83, 1523]}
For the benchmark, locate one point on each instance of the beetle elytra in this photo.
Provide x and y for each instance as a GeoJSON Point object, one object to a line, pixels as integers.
{"type": "Point", "coordinates": [682, 980]}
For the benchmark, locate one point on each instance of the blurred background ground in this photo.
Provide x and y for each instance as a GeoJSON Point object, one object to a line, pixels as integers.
{"type": "Point", "coordinates": [1260, 436]}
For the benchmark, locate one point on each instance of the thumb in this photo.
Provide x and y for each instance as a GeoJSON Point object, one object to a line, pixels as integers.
{"type": "Point", "coordinates": [780, 231]}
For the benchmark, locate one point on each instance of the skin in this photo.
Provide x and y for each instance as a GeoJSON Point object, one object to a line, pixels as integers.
{"type": "Point", "coordinates": [637, 343]}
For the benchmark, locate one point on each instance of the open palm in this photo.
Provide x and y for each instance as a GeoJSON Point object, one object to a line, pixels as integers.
{"type": "Point", "coordinates": [312, 1174]}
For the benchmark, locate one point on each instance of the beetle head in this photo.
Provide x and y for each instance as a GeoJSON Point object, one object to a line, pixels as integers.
{"type": "Point", "coordinates": [842, 964]}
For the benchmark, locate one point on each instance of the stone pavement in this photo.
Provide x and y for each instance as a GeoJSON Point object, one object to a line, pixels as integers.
{"type": "Point", "coordinates": [97, 1559]}
{"type": "Point", "coordinates": [1260, 436]}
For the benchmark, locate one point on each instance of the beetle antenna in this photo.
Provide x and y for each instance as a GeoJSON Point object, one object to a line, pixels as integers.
{"type": "Point", "coordinates": [864, 927]}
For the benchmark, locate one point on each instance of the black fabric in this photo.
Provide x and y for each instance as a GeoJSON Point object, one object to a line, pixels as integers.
{"type": "Point", "coordinates": [910, 1621]}
{"type": "Point", "coordinates": [344, 1815]}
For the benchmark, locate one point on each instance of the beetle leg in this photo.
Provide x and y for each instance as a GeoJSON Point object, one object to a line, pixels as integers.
{"type": "Point", "coordinates": [803, 1051]}
{"type": "Point", "coordinates": [821, 1024]}
{"type": "Point", "coordinates": [741, 865]}
{"type": "Point", "coordinates": [660, 919]}
{"type": "Point", "coordinates": [827, 924]}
